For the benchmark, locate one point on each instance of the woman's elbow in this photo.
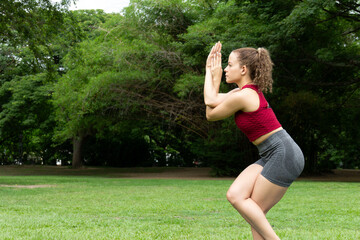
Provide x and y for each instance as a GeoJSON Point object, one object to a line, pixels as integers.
{"type": "Point", "coordinates": [211, 104]}
{"type": "Point", "coordinates": [210, 117]}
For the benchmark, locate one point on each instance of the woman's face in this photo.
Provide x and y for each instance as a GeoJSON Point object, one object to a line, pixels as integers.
{"type": "Point", "coordinates": [233, 69]}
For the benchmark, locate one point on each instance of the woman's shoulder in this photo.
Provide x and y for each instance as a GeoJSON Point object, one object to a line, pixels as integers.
{"type": "Point", "coordinates": [244, 95]}
{"type": "Point", "coordinates": [249, 92]}
{"type": "Point", "coordinates": [250, 99]}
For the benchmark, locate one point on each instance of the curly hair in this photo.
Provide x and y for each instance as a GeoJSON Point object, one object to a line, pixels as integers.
{"type": "Point", "coordinates": [260, 66]}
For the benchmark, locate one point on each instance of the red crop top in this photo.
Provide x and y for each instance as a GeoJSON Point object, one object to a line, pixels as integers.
{"type": "Point", "coordinates": [258, 123]}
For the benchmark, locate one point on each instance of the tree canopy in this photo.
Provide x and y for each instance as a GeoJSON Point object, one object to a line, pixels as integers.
{"type": "Point", "coordinates": [126, 89]}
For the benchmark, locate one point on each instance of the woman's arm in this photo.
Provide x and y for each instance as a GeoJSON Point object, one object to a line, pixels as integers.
{"type": "Point", "coordinates": [228, 107]}
{"type": "Point", "coordinates": [221, 97]}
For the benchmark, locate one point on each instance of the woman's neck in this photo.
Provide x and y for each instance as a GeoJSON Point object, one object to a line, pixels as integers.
{"type": "Point", "coordinates": [245, 81]}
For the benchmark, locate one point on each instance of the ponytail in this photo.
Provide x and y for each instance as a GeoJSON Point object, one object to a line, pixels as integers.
{"type": "Point", "coordinates": [259, 63]}
{"type": "Point", "coordinates": [263, 70]}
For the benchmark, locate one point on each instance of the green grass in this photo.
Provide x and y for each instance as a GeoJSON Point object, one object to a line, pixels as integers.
{"type": "Point", "coordinates": [84, 207]}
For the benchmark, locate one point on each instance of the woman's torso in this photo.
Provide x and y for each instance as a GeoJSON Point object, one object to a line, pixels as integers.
{"type": "Point", "coordinates": [257, 120]}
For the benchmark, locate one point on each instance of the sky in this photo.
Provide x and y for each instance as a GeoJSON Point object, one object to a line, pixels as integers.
{"type": "Point", "coordinates": [108, 6]}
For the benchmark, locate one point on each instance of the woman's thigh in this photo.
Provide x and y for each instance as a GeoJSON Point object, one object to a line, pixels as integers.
{"type": "Point", "coordinates": [266, 194]}
{"type": "Point", "coordinates": [244, 184]}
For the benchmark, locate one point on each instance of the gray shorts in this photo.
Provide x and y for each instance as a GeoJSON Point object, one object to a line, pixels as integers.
{"type": "Point", "coordinates": [282, 159]}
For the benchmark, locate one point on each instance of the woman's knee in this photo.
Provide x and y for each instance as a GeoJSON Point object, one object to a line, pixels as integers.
{"type": "Point", "coordinates": [242, 187]}
{"type": "Point", "coordinates": [234, 196]}
{"type": "Point", "coordinates": [230, 196]}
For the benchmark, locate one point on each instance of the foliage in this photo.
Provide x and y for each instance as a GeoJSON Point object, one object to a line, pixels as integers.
{"type": "Point", "coordinates": [34, 24]}
{"type": "Point", "coordinates": [126, 89]}
{"type": "Point", "coordinates": [29, 61]}
{"type": "Point", "coordinates": [25, 118]}
{"type": "Point", "coordinates": [314, 73]}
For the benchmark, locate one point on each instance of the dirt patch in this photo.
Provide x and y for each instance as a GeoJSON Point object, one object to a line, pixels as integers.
{"type": "Point", "coordinates": [27, 186]}
{"type": "Point", "coordinates": [338, 175]}
{"type": "Point", "coordinates": [174, 173]}
{"type": "Point", "coordinates": [150, 172]}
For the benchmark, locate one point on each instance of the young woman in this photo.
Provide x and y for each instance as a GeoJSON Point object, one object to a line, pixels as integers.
{"type": "Point", "coordinates": [261, 185]}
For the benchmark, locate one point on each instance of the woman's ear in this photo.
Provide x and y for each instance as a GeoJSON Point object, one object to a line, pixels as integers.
{"type": "Point", "coordinates": [243, 70]}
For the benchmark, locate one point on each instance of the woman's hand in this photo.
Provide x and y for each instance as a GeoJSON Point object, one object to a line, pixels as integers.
{"type": "Point", "coordinates": [208, 61]}
{"type": "Point", "coordinates": [215, 49]}
{"type": "Point", "coordinates": [213, 63]}
{"type": "Point", "coordinates": [216, 68]}
{"type": "Point", "coordinates": [213, 76]}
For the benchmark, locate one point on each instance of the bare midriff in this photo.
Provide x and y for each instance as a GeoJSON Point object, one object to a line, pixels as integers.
{"type": "Point", "coordinates": [264, 137]}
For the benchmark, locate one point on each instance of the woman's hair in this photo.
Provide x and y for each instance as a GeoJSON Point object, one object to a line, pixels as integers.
{"type": "Point", "coordinates": [259, 63]}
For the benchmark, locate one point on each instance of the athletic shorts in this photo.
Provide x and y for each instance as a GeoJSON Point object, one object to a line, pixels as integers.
{"type": "Point", "coordinates": [281, 157]}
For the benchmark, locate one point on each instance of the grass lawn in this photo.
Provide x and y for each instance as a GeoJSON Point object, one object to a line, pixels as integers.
{"type": "Point", "coordinates": [85, 207]}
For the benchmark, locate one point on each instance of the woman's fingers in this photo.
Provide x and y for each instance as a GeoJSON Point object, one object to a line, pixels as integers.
{"type": "Point", "coordinates": [216, 48]}
{"type": "Point", "coordinates": [214, 57]}
{"type": "Point", "coordinates": [208, 61]}
{"type": "Point", "coordinates": [215, 60]}
{"type": "Point", "coordinates": [212, 51]}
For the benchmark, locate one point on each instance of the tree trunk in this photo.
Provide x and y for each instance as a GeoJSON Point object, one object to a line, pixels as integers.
{"type": "Point", "coordinates": [77, 151]}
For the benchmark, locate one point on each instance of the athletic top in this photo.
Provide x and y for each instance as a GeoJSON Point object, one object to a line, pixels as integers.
{"type": "Point", "coordinates": [257, 123]}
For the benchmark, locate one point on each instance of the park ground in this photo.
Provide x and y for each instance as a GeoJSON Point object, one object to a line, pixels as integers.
{"type": "Point", "coordinates": [50, 202]}
{"type": "Point", "coordinates": [337, 175]}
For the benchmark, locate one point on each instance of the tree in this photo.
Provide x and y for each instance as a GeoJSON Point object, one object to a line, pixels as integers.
{"type": "Point", "coordinates": [315, 48]}
{"type": "Point", "coordinates": [123, 74]}
{"type": "Point", "coordinates": [25, 117]}
{"type": "Point", "coordinates": [136, 79]}
{"type": "Point", "coordinates": [32, 23]}
{"type": "Point", "coordinates": [29, 67]}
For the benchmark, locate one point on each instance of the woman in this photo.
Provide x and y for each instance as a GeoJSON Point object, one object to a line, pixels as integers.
{"type": "Point", "coordinates": [261, 185]}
